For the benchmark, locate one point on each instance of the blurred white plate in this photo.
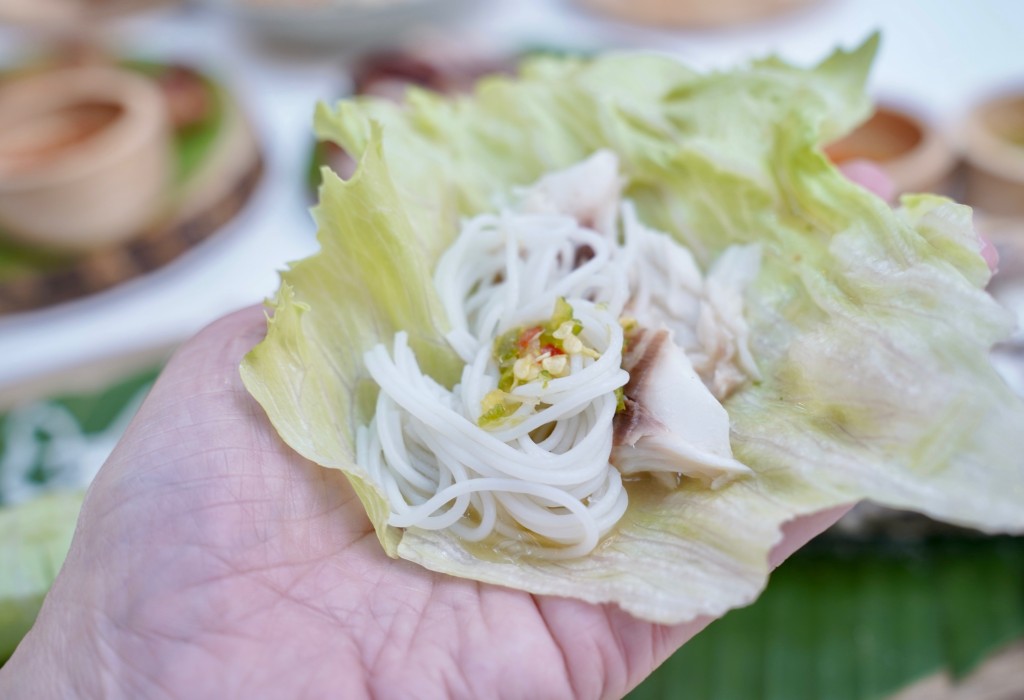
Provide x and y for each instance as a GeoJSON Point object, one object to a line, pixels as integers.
{"type": "Point", "coordinates": [341, 23]}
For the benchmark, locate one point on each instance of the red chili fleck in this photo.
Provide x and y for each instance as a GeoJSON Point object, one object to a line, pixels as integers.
{"type": "Point", "coordinates": [552, 350]}
{"type": "Point", "coordinates": [527, 337]}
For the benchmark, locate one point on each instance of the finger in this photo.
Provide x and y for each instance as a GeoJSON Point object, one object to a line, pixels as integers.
{"type": "Point", "coordinates": [201, 383]}
{"type": "Point", "coordinates": [799, 531]}
{"type": "Point", "coordinates": [989, 252]}
{"type": "Point", "coordinates": [223, 343]}
{"type": "Point", "coordinates": [870, 176]}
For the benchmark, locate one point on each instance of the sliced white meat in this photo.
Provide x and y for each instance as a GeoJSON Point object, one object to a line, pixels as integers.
{"type": "Point", "coordinates": [672, 424]}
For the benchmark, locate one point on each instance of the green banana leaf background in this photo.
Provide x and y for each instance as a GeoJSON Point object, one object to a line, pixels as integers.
{"type": "Point", "coordinates": [849, 619]}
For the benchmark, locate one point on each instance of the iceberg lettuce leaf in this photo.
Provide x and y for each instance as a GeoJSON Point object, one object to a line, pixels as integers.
{"type": "Point", "coordinates": [869, 325]}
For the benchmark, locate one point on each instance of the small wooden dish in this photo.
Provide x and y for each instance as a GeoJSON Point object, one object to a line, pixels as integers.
{"type": "Point", "coordinates": [218, 165]}
{"type": "Point", "coordinates": [993, 143]}
{"type": "Point", "coordinates": [84, 157]}
{"type": "Point", "coordinates": [913, 153]}
{"type": "Point", "coordinates": [68, 13]}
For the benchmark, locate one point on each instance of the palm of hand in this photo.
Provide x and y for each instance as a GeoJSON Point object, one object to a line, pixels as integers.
{"type": "Point", "coordinates": [206, 544]}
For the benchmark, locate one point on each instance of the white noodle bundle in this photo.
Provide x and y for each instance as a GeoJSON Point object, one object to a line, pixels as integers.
{"type": "Point", "coordinates": [543, 469]}
{"type": "Point", "coordinates": [537, 472]}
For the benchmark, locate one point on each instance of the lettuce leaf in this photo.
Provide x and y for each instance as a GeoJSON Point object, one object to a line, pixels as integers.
{"type": "Point", "coordinates": [870, 326]}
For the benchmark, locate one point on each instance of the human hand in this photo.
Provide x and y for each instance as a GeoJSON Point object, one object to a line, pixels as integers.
{"type": "Point", "coordinates": [210, 560]}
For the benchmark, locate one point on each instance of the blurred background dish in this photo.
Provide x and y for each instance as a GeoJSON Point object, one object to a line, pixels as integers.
{"type": "Point", "coordinates": [914, 152]}
{"type": "Point", "coordinates": [349, 24]}
{"type": "Point", "coordinates": [84, 157]}
{"type": "Point", "coordinates": [993, 142]}
{"type": "Point", "coordinates": [449, 68]}
{"type": "Point", "coordinates": [70, 12]}
{"type": "Point", "coordinates": [694, 13]}
{"type": "Point", "coordinates": [174, 164]}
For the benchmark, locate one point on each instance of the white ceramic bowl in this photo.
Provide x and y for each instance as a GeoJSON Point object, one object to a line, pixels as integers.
{"type": "Point", "coordinates": [341, 24]}
{"type": "Point", "coordinates": [85, 157]}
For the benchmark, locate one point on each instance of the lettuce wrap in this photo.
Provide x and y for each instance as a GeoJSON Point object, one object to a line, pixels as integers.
{"type": "Point", "coordinates": [870, 325]}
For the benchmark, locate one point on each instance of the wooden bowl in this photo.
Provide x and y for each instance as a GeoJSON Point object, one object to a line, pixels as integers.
{"type": "Point", "coordinates": [913, 152]}
{"type": "Point", "coordinates": [85, 157]}
{"type": "Point", "coordinates": [69, 13]}
{"type": "Point", "coordinates": [993, 142]}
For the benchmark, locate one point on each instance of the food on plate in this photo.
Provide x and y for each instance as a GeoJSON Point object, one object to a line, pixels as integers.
{"type": "Point", "coordinates": [212, 167]}
{"type": "Point", "coordinates": [65, 13]}
{"type": "Point", "coordinates": [756, 337]}
{"type": "Point", "coordinates": [85, 157]}
{"type": "Point", "coordinates": [34, 539]}
{"type": "Point", "coordinates": [389, 74]}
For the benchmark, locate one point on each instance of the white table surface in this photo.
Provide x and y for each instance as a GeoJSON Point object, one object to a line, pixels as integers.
{"type": "Point", "coordinates": [939, 56]}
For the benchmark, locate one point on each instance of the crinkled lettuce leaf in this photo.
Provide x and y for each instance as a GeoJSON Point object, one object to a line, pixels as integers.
{"type": "Point", "coordinates": [870, 325]}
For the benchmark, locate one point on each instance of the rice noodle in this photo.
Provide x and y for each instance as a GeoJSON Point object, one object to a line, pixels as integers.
{"type": "Point", "coordinates": [438, 468]}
